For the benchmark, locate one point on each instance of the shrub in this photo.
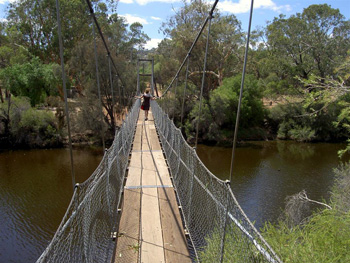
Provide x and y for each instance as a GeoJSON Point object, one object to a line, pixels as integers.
{"type": "Point", "coordinates": [325, 237]}
{"type": "Point", "coordinates": [28, 126]}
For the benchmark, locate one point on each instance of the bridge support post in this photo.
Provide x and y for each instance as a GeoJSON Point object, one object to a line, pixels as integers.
{"type": "Point", "coordinates": [222, 245]}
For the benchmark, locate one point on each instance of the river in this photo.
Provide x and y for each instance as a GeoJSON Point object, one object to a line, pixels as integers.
{"type": "Point", "coordinates": [36, 186]}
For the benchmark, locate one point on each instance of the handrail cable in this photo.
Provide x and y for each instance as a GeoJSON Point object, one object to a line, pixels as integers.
{"type": "Point", "coordinates": [202, 86]}
{"type": "Point", "coordinates": [210, 15]}
{"type": "Point", "coordinates": [65, 91]}
{"type": "Point", "coordinates": [98, 84]}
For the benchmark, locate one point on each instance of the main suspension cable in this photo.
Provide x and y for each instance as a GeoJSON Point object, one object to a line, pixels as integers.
{"type": "Point", "coordinates": [202, 86]}
{"type": "Point", "coordinates": [98, 86]}
{"type": "Point", "coordinates": [210, 15]}
{"type": "Point", "coordinates": [103, 39]}
{"type": "Point", "coordinates": [184, 95]}
{"type": "Point", "coordinates": [241, 91]}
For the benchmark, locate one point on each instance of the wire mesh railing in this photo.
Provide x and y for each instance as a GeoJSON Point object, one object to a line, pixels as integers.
{"type": "Point", "coordinates": [218, 228]}
{"type": "Point", "coordinates": [84, 234]}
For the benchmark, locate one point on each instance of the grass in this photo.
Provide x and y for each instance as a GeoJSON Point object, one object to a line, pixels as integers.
{"type": "Point", "coordinates": [323, 238]}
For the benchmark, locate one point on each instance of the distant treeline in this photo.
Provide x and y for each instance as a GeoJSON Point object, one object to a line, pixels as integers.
{"type": "Point", "coordinates": [297, 83]}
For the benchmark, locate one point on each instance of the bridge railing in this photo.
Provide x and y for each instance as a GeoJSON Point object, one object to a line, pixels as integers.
{"type": "Point", "coordinates": [84, 234]}
{"type": "Point", "coordinates": [218, 228]}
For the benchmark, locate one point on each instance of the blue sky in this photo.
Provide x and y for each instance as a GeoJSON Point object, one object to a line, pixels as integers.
{"type": "Point", "coordinates": [151, 13]}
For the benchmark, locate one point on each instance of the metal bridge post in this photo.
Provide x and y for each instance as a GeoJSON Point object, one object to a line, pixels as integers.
{"type": "Point", "coordinates": [191, 193]}
{"type": "Point", "coordinates": [152, 80]}
{"type": "Point", "coordinates": [138, 77]}
{"type": "Point", "coordinates": [222, 245]}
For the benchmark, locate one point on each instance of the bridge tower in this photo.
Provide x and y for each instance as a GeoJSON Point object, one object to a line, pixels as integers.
{"type": "Point", "coordinates": [143, 74]}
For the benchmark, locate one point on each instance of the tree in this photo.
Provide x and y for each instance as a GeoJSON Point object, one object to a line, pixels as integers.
{"type": "Point", "coordinates": [308, 43]}
{"type": "Point", "coordinates": [36, 21]}
{"type": "Point", "coordinates": [219, 113]}
{"type": "Point", "coordinates": [31, 79]}
{"type": "Point", "coordinates": [226, 39]}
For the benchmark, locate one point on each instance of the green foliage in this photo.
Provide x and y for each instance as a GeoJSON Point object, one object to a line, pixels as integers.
{"type": "Point", "coordinates": [325, 238]}
{"type": "Point", "coordinates": [301, 134]}
{"type": "Point", "coordinates": [226, 40]}
{"type": "Point", "coordinates": [341, 189]}
{"type": "Point", "coordinates": [28, 126]}
{"type": "Point", "coordinates": [218, 115]}
{"type": "Point", "coordinates": [31, 79]}
{"type": "Point", "coordinates": [308, 43]}
{"type": "Point", "coordinates": [326, 235]}
{"type": "Point", "coordinates": [237, 248]}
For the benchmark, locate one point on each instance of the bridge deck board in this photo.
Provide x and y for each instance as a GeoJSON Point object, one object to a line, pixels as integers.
{"type": "Point", "coordinates": [162, 236]}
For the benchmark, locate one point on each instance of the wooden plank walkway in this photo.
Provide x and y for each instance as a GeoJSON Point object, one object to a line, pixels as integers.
{"type": "Point", "coordinates": [150, 229]}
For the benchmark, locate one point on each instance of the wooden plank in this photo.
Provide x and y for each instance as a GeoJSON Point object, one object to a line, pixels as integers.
{"type": "Point", "coordinates": [135, 160]}
{"type": "Point", "coordinates": [152, 240]}
{"type": "Point", "coordinates": [175, 244]}
{"type": "Point", "coordinates": [147, 161]}
{"type": "Point", "coordinates": [134, 177]}
{"type": "Point", "coordinates": [149, 177]}
{"type": "Point", "coordinates": [154, 139]}
{"type": "Point", "coordinates": [162, 167]}
{"type": "Point", "coordinates": [161, 226]}
{"type": "Point", "coordinates": [128, 245]}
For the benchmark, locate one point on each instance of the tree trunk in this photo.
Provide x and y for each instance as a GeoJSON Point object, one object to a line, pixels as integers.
{"type": "Point", "coordinates": [1, 96]}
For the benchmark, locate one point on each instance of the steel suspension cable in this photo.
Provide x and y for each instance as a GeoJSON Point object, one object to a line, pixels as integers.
{"type": "Point", "coordinates": [241, 91]}
{"type": "Point", "coordinates": [203, 81]}
{"type": "Point", "coordinates": [183, 99]}
{"type": "Point", "coordinates": [174, 104]}
{"type": "Point", "coordinates": [119, 93]}
{"type": "Point", "coordinates": [65, 91]}
{"type": "Point", "coordinates": [112, 93]}
{"type": "Point", "coordinates": [103, 39]}
{"type": "Point", "coordinates": [98, 85]}
{"type": "Point", "coordinates": [210, 15]}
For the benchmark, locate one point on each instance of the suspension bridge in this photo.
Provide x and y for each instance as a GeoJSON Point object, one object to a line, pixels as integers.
{"type": "Point", "coordinates": [151, 199]}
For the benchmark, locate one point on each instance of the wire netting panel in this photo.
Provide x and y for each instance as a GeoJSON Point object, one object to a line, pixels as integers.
{"type": "Point", "coordinates": [84, 234]}
{"type": "Point", "coordinates": [218, 228]}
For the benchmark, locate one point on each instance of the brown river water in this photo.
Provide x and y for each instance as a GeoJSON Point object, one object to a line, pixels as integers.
{"type": "Point", "coordinates": [36, 186]}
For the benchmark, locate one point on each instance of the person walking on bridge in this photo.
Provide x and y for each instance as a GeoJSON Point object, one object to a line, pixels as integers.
{"type": "Point", "coordinates": [146, 102]}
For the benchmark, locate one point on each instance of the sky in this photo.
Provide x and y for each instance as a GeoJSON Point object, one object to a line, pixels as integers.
{"type": "Point", "coordinates": [152, 13]}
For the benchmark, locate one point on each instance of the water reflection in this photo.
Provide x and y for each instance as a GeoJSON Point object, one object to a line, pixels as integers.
{"type": "Point", "coordinates": [265, 173]}
{"type": "Point", "coordinates": [35, 190]}
{"type": "Point", "coordinates": [35, 186]}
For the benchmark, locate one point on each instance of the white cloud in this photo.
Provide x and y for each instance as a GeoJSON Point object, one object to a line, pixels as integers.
{"type": "Point", "coordinates": [2, 20]}
{"type": "Point", "coordinates": [153, 43]}
{"type": "Point", "coordinates": [7, 1]}
{"type": "Point", "coordinates": [145, 2]}
{"type": "Point", "coordinates": [156, 18]}
{"type": "Point", "coordinates": [126, 1]}
{"type": "Point", "coordinates": [243, 6]}
{"type": "Point", "coordinates": [132, 19]}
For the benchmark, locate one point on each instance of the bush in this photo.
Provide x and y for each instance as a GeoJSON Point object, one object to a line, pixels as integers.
{"type": "Point", "coordinates": [33, 79]}
{"type": "Point", "coordinates": [28, 126]}
{"type": "Point", "coordinates": [218, 116]}
{"type": "Point", "coordinates": [302, 134]}
{"type": "Point", "coordinates": [325, 237]}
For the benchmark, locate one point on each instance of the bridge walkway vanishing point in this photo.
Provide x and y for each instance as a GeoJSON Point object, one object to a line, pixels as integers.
{"type": "Point", "coordinates": [150, 228]}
